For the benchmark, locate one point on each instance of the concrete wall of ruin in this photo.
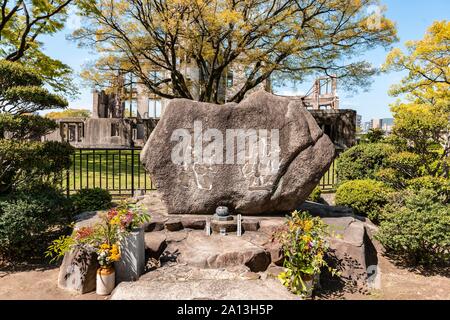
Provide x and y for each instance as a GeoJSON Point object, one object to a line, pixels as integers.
{"type": "Point", "coordinates": [98, 132]}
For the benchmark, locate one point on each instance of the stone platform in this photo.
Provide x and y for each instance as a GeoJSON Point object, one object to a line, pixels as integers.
{"type": "Point", "coordinates": [185, 263]}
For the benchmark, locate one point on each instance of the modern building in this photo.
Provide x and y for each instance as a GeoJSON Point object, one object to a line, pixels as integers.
{"type": "Point", "coordinates": [385, 124]}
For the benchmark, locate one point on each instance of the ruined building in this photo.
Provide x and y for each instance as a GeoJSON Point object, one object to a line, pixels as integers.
{"type": "Point", "coordinates": [323, 103]}
{"type": "Point", "coordinates": [128, 122]}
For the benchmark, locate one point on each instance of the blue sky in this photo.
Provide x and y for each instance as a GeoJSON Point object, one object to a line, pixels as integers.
{"type": "Point", "coordinates": [412, 18]}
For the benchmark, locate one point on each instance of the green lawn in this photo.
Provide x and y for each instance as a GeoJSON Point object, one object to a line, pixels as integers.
{"type": "Point", "coordinates": [111, 170]}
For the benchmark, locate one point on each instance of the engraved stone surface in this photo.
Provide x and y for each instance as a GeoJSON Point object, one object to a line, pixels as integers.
{"type": "Point", "coordinates": [263, 155]}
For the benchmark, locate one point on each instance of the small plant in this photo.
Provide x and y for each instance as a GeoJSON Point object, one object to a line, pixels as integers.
{"type": "Point", "coordinates": [304, 247]}
{"type": "Point", "coordinates": [128, 216]}
{"type": "Point", "coordinates": [91, 200]}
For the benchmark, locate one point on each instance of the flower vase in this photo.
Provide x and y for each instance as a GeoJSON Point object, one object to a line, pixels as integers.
{"type": "Point", "coordinates": [132, 261]}
{"type": "Point", "coordinates": [310, 284]}
{"type": "Point", "coordinates": [106, 280]}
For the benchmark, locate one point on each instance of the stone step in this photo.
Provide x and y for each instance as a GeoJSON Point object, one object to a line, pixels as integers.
{"type": "Point", "coordinates": [190, 283]}
{"type": "Point", "coordinates": [218, 251]}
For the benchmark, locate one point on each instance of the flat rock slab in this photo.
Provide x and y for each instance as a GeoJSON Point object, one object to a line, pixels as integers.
{"type": "Point", "coordinates": [218, 251]}
{"type": "Point", "coordinates": [190, 283]}
{"type": "Point", "coordinates": [194, 175]}
{"type": "Point", "coordinates": [155, 243]}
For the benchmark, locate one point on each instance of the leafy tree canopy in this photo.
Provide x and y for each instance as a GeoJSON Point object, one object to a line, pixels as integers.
{"type": "Point", "coordinates": [422, 119]}
{"type": "Point", "coordinates": [69, 113]}
{"type": "Point", "coordinates": [22, 91]}
{"type": "Point", "coordinates": [23, 127]}
{"type": "Point", "coordinates": [279, 39]}
{"type": "Point", "coordinates": [22, 22]}
{"type": "Point", "coordinates": [374, 135]}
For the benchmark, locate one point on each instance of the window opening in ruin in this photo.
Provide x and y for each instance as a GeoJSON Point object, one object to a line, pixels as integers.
{"type": "Point", "coordinates": [154, 108]}
{"type": "Point", "coordinates": [114, 129]}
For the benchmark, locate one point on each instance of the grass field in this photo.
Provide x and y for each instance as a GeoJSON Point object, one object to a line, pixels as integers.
{"type": "Point", "coordinates": [108, 169]}
{"type": "Point", "coordinates": [114, 170]}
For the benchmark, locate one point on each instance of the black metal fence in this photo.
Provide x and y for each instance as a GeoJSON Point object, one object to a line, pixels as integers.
{"type": "Point", "coordinates": [117, 170]}
{"type": "Point", "coordinates": [329, 180]}
{"type": "Point", "coordinates": [121, 173]}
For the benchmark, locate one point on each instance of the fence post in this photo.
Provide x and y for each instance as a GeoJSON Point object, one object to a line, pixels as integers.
{"type": "Point", "coordinates": [132, 172]}
{"type": "Point", "coordinates": [68, 182]}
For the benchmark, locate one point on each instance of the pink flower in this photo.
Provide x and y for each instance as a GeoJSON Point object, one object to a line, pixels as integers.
{"type": "Point", "coordinates": [127, 219]}
{"type": "Point", "coordinates": [112, 213]}
{"type": "Point", "coordinates": [83, 233]}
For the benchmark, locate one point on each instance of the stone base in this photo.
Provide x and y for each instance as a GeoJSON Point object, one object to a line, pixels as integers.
{"type": "Point", "coordinates": [229, 226]}
{"type": "Point", "coordinates": [132, 263]}
{"type": "Point", "coordinates": [222, 218]}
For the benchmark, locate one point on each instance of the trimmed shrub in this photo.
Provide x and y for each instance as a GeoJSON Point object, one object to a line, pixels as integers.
{"type": "Point", "coordinates": [26, 163]}
{"type": "Point", "coordinates": [363, 161]}
{"type": "Point", "coordinates": [416, 228]}
{"type": "Point", "coordinates": [439, 184]}
{"type": "Point", "coordinates": [91, 200]}
{"type": "Point", "coordinates": [365, 197]}
{"type": "Point", "coordinates": [401, 167]}
{"type": "Point", "coordinates": [29, 220]}
{"type": "Point", "coordinates": [315, 196]}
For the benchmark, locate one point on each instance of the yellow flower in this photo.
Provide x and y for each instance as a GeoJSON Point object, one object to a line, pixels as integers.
{"type": "Point", "coordinates": [114, 257]}
{"type": "Point", "coordinates": [308, 225]}
{"type": "Point", "coordinates": [115, 221]}
{"type": "Point", "coordinates": [306, 238]}
{"type": "Point", "coordinates": [115, 249]}
{"type": "Point", "coordinates": [104, 246]}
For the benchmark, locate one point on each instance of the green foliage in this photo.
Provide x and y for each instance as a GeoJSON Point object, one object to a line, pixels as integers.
{"type": "Point", "coordinates": [30, 219]}
{"type": "Point", "coordinates": [304, 247]}
{"type": "Point", "coordinates": [22, 91]}
{"type": "Point", "coordinates": [285, 40]}
{"type": "Point", "coordinates": [424, 130]}
{"type": "Point", "coordinates": [24, 127]}
{"type": "Point", "coordinates": [375, 135]}
{"type": "Point", "coordinates": [315, 196]}
{"type": "Point", "coordinates": [91, 200]}
{"type": "Point", "coordinates": [416, 228]}
{"type": "Point", "coordinates": [363, 161]}
{"type": "Point", "coordinates": [439, 185]}
{"type": "Point", "coordinates": [24, 163]}
{"type": "Point", "coordinates": [69, 113]}
{"type": "Point", "coordinates": [365, 197]}
{"type": "Point", "coordinates": [401, 167]}
{"type": "Point", "coordinates": [422, 115]}
{"type": "Point", "coordinates": [21, 25]}
{"type": "Point", "coordinates": [16, 75]}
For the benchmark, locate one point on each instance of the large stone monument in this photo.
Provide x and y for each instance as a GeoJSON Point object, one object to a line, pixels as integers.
{"type": "Point", "coordinates": [263, 155]}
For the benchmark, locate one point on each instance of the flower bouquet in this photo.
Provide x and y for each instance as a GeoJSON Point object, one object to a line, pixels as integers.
{"type": "Point", "coordinates": [106, 238]}
{"type": "Point", "coordinates": [129, 219]}
{"type": "Point", "coordinates": [304, 246]}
